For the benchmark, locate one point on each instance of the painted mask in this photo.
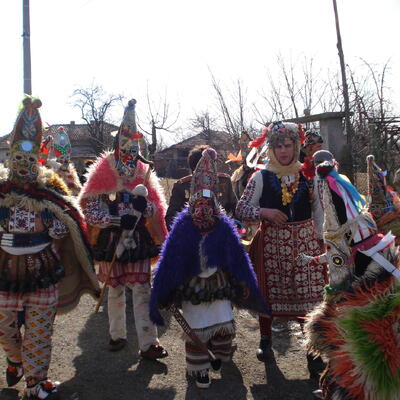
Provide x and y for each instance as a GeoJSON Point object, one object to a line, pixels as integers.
{"type": "Point", "coordinates": [24, 165]}
{"type": "Point", "coordinates": [25, 142]}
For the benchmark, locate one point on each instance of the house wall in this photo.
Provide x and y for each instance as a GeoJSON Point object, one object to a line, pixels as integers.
{"type": "Point", "coordinates": [172, 162]}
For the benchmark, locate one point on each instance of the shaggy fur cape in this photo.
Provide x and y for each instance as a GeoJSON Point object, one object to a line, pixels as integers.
{"type": "Point", "coordinates": [103, 178]}
{"type": "Point", "coordinates": [180, 260]}
{"type": "Point", "coordinates": [50, 193]}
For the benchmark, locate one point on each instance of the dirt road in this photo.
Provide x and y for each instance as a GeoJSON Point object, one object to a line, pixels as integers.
{"type": "Point", "coordinates": [88, 371]}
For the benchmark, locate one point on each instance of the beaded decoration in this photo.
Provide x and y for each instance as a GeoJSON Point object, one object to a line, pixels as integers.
{"type": "Point", "coordinates": [289, 190]}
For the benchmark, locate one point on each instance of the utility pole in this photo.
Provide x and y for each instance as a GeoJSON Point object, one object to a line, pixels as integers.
{"type": "Point", "coordinates": [26, 34]}
{"type": "Point", "coordinates": [348, 125]}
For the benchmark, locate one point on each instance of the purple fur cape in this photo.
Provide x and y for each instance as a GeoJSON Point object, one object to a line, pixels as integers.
{"type": "Point", "coordinates": [180, 260]}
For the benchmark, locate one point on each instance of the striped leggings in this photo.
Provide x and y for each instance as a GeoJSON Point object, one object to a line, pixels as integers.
{"type": "Point", "coordinates": [198, 361]}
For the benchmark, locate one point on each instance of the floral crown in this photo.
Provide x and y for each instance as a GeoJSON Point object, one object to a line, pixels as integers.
{"type": "Point", "coordinates": [277, 132]}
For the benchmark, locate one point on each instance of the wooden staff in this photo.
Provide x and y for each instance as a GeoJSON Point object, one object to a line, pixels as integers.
{"type": "Point", "coordinates": [111, 266]}
{"type": "Point", "coordinates": [103, 289]}
{"type": "Point", "coordinates": [189, 331]}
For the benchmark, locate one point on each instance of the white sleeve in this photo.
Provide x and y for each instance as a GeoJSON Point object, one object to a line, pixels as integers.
{"type": "Point", "coordinates": [248, 207]}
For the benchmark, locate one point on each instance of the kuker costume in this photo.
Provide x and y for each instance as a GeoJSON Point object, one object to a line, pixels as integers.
{"type": "Point", "coordinates": [204, 269]}
{"type": "Point", "coordinates": [45, 262]}
{"type": "Point", "coordinates": [125, 206]}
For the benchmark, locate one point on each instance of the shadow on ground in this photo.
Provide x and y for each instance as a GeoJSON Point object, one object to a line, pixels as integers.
{"type": "Point", "coordinates": [277, 387]}
{"type": "Point", "coordinates": [104, 375]}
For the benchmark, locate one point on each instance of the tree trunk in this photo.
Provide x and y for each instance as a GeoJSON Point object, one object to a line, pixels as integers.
{"type": "Point", "coordinates": [347, 163]}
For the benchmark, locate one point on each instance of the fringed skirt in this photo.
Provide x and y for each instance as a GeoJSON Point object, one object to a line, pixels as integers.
{"type": "Point", "coordinates": [290, 287]}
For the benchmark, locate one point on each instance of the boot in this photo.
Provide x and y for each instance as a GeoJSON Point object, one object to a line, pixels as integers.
{"type": "Point", "coordinates": [264, 350]}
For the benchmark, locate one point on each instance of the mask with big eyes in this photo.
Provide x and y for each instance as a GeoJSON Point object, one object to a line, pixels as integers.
{"type": "Point", "coordinates": [338, 259]}
{"type": "Point", "coordinates": [24, 166]}
{"type": "Point", "coordinates": [203, 212]}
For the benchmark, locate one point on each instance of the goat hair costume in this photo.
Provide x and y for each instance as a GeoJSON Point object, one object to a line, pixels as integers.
{"type": "Point", "coordinates": [48, 197]}
{"type": "Point", "coordinates": [103, 179]}
{"type": "Point", "coordinates": [356, 328]}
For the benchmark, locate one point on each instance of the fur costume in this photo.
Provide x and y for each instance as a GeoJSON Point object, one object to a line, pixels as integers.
{"type": "Point", "coordinates": [356, 327]}
{"type": "Point", "coordinates": [103, 179]}
{"type": "Point", "coordinates": [124, 205]}
{"type": "Point", "coordinates": [45, 260]}
{"type": "Point", "coordinates": [203, 269]}
{"type": "Point", "coordinates": [178, 263]}
{"type": "Point", "coordinates": [71, 179]}
{"type": "Point", "coordinates": [50, 194]}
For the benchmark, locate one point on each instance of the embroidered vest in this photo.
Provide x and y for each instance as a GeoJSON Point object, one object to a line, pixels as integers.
{"type": "Point", "coordinates": [299, 209]}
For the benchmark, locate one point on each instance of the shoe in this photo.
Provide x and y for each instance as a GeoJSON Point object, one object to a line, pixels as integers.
{"type": "Point", "coordinates": [315, 366]}
{"type": "Point", "coordinates": [45, 390]}
{"type": "Point", "coordinates": [13, 375]}
{"type": "Point", "coordinates": [116, 345]}
{"type": "Point", "coordinates": [154, 352]}
{"type": "Point", "coordinates": [216, 365]}
{"type": "Point", "coordinates": [264, 351]}
{"type": "Point", "coordinates": [203, 380]}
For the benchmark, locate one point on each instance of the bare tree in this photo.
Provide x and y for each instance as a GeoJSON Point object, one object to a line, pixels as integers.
{"type": "Point", "coordinates": [95, 106]}
{"type": "Point", "coordinates": [376, 129]}
{"type": "Point", "coordinates": [233, 115]}
{"type": "Point", "coordinates": [205, 123]}
{"type": "Point", "coordinates": [158, 118]}
{"type": "Point", "coordinates": [296, 86]}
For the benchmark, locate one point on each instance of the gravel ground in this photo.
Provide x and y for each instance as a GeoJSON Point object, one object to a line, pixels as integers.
{"type": "Point", "coordinates": [88, 371]}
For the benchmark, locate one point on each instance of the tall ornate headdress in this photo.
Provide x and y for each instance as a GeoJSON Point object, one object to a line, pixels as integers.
{"type": "Point", "coordinates": [25, 141]}
{"type": "Point", "coordinates": [205, 179]}
{"type": "Point", "coordinates": [62, 145]}
{"type": "Point", "coordinates": [129, 141]}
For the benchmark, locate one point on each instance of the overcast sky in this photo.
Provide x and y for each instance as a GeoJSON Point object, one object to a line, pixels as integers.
{"type": "Point", "coordinates": [127, 45]}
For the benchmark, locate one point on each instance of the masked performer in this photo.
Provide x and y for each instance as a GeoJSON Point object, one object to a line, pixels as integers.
{"type": "Point", "coordinates": [280, 196]}
{"type": "Point", "coordinates": [181, 189]}
{"type": "Point", "coordinates": [65, 168]}
{"type": "Point", "coordinates": [45, 262]}
{"type": "Point", "coordinates": [203, 268]}
{"type": "Point", "coordinates": [356, 327]}
{"type": "Point", "coordinates": [123, 202]}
